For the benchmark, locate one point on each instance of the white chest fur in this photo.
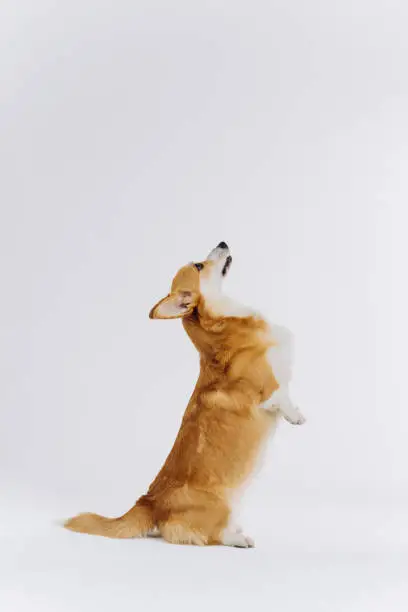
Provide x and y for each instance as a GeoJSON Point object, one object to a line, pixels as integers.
{"type": "Point", "coordinates": [280, 358]}
{"type": "Point", "coordinates": [280, 355]}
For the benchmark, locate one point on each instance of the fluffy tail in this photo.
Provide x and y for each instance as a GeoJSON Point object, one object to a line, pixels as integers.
{"type": "Point", "coordinates": [137, 522]}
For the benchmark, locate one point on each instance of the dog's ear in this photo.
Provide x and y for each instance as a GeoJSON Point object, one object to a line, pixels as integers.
{"type": "Point", "coordinates": [175, 305]}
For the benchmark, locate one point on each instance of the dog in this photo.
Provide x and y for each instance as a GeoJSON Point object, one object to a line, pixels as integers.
{"type": "Point", "coordinates": [241, 393]}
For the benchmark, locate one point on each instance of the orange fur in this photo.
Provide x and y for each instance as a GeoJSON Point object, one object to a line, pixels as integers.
{"type": "Point", "coordinates": [222, 430]}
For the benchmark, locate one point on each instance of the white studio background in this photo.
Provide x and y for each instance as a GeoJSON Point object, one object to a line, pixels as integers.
{"type": "Point", "coordinates": [134, 137]}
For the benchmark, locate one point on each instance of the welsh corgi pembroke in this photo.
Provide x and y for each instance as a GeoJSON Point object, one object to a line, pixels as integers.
{"type": "Point", "coordinates": [241, 393]}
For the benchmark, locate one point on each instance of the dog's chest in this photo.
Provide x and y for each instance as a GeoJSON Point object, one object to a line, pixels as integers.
{"type": "Point", "coordinates": [279, 356]}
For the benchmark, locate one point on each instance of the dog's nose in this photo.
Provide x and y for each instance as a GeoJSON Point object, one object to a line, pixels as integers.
{"type": "Point", "coordinates": [222, 245]}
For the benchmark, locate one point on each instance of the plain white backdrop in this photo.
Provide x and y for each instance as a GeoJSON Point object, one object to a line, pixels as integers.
{"type": "Point", "coordinates": [134, 137]}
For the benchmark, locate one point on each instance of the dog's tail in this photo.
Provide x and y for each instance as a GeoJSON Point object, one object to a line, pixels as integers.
{"type": "Point", "coordinates": [137, 522]}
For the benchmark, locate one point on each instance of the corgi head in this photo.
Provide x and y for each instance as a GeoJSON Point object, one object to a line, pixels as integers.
{"type": "Point", "coordinates": [195, 285]}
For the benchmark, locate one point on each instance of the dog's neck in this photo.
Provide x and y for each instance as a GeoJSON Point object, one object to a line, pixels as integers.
{"type": "Point", "coordinates": [218, 339]}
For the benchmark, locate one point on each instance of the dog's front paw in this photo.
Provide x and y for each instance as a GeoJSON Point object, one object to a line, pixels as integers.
{"type": "Point", "coordinates": [295, 419]}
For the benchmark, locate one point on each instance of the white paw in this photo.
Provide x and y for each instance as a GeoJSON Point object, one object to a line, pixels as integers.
{"type": "Point", "coordinates": [296, 418]}
{"type": "Point", "coordinates": [239, 540]}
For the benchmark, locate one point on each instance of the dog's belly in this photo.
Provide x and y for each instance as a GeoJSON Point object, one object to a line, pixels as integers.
{"type": "Point", "coordinates": [256, 462]}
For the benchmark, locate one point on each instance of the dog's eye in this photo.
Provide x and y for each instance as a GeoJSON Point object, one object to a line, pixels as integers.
{"type": "Point", "coordinates": [199, 266]}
